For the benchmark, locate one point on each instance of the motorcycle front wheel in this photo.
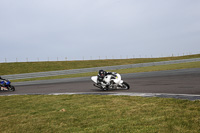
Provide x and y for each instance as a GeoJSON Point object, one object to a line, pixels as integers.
{"type": "Point", "coordinates": [125, 86]}
{"type": "Point", "coordinates": [11, 88]}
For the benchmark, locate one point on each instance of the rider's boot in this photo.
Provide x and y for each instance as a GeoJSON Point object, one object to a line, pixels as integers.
{"type": "Point", "coordinates": [104, 88]}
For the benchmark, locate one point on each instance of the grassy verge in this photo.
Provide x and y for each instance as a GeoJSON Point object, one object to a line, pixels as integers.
{"type": "Point", "coordinates": [28, 67]}
{"type": "Point", "coordinates": [122, 71]}
{"type": "Point", "coordinates": [95, 113]}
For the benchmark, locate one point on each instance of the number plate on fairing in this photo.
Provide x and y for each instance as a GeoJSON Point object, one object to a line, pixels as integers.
{"type": "Point", "coordinates": [3, 88]}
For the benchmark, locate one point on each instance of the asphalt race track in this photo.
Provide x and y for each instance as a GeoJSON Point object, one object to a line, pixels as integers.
{"type": "Point", "coordinates": [183, 84]}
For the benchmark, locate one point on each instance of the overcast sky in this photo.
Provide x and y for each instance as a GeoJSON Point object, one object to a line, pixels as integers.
{"type": "Point", "coordinates": [91, 28]}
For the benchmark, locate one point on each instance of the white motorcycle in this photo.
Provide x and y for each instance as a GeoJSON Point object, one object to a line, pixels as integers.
{"type": "Point", "coordinates": [110, 82]}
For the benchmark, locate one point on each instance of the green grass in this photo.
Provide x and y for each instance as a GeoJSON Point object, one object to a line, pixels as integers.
{"type": "Point", "coordinates": [28, 67]}
{"type": "Point", "coordinates": [96, 113]}
{"type": "Point", "coordinates": [122, 71]}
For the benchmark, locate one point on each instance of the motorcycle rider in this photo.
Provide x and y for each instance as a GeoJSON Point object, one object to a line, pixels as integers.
{"type": "Point", "coordinates": [115, 76]}
{"type": "Point", "coordinates": [1, 79]}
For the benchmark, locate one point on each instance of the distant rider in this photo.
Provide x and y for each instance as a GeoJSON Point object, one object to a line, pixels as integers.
{"type": "Point", "coordinates": [115, 76]}
{"type": "Point", "coordinates": [1, 79]}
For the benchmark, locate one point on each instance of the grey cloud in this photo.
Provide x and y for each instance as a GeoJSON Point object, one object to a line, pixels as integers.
{"type": "Point", "coordinates": [128, 27]}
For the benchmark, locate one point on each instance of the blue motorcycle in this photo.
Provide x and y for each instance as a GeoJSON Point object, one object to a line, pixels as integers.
{"type": "Point", "coordinates": [6, 85]}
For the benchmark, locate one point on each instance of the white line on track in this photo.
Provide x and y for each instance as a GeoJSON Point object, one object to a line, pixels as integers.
{"type": "Point", "coordinates": [163, 95]}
